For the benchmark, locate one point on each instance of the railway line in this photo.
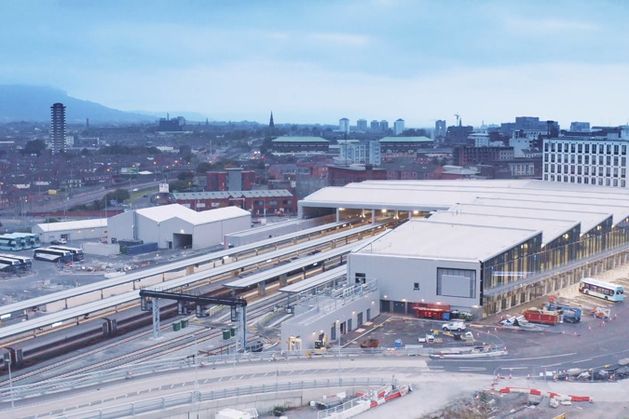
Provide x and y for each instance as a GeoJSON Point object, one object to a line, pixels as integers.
{"type": "Point", "coordinates": [278, 268]}
{"type": "Point", "coordinates": [184, 340]}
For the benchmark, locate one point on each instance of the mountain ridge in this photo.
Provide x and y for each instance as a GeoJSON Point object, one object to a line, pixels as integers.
{"type": "Point", "coordinates": [20, 102]}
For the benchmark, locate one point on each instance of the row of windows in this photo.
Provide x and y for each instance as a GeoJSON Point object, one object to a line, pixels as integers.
{"type": "Point", "coordinates": [585, 170]}
{"type": "Point", "coordinates": [586, 180]}
{"type": "Point", "coordinates": [572, 147]}
{"type": "Point", "coordinates": [565, 158]}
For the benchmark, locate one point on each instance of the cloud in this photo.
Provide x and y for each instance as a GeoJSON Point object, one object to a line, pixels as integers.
{"type": "Point", "coordinates": [302, 92]}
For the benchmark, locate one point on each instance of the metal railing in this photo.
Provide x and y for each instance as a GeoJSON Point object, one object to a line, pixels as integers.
{"type": "Point", "coordinates": [143, 369]}
{"type": "Point", "coordinates": [193, 397]}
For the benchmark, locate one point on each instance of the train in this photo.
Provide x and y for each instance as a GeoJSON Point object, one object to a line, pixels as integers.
{"type": "Point", "coordinates": [88, 332]}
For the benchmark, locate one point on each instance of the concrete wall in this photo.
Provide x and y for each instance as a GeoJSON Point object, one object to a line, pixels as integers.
{"type": "Point", "coordinates": [97, 248]}
{"type": "Point", "coordinates": [74, 234]}
{"type": "Point", "coordinates": [309, 324]}
{"type": "Point", "coordinates": [120, 226]}
{"type": "Point", "coordinates": [396, 277]}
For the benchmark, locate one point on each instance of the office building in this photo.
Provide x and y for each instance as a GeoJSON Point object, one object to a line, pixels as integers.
{"type": "Point", "coordinates": [579, 127]}
{"type": "Point", "coordinates": [398, 126]}
{"type": "Point", "coordinates": [361, 125]}
{"type": "Point", "coordinates": [299, 145]}
{"type": "Point", "coordinates": [344, 125]}
{"type": "Point", "coordinates": [384, 125]}
{"type": "Point", "coordinates": [375, 125]}
{"type": "Point", "coordinates": [586, 161]}
{"type": "Point", "coordinates": [58, 127]}
{"type": "Point", "coordinates": [440, 129]}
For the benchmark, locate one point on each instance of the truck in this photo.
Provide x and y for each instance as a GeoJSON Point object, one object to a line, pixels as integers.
{"type": "Point", "coordinates": [535, 315]}
{"type": "Point", "coordinates": [568, 313]}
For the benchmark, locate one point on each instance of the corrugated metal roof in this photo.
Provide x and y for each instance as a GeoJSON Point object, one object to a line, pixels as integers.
{"type": "Point", "coordinates": [444, 240]}
{"type": "Point", "coordinates": [257, 193]}
{"type": "Point", "coordinates": [166, 212]}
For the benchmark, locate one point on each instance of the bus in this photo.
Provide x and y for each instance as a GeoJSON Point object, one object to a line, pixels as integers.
{"type": "Point", "coordinates": [605, 290]}
{"type": "Point", "coordinates": [77, 254]}
{"type": "Point", "coordinates": [52, 255]}
{"type": "Point", "coordinates": [7, 242]}
{"type": "Point", "coordinates": [10, 265]}
{"type": "Point", "coordinates": [25, 262]}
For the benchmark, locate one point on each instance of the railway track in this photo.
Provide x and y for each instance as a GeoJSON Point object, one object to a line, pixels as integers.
{"type": "Point", "coordinates": [258, 309]}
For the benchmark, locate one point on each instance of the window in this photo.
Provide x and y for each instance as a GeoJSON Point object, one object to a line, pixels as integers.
{"type": "Point", "coordinates": [360, 278]}
{"type": "Point", "coordinates": [415, 286]}
{"type": "Point", "coordinates": [456, 282]}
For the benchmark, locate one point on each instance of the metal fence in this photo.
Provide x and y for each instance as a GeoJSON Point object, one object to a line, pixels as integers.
{"type": "Point", "coordinates": [193, 397]}
{"type": "Point", "coordinates": [138, 370]}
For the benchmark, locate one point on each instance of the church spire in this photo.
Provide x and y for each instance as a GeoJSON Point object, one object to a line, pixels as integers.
{"type": "Point", "coordinates": [271, 123]}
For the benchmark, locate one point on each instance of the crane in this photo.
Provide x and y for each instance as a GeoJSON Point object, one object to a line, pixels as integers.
{"type": "Point", "coordinates": [458, 119]}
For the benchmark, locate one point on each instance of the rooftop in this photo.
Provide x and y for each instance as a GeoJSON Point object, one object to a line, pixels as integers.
{"type": "Point", "coordinates": [73, 225]}
{"type": "Point", "coordinates": [419, 139]}
{"type": "Point", "coordinates": [166, 212]}
{"type": "Point", "coordinates": [291, 139]}
{"type": "Point", "coordinates": [445, 240]}
{"type": "Point", "coordinates": [258, 193]}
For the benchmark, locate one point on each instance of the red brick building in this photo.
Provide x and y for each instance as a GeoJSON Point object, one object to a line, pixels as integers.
{"type": "Point", "coordinates": [342, 175]}
{"type": "Point", "coordinates": [234, 179]}
{"type": "Point", "coordinates": [258, 202]}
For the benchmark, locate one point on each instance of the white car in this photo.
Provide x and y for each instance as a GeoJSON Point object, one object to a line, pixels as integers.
{"type": "Point", "coordinates": [454, 327]}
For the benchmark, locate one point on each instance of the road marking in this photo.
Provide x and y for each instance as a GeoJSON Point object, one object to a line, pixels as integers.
{"type": "Point", "coordinates": [583, 360]}
{"type": "Point", "coordinates": [472, 369]}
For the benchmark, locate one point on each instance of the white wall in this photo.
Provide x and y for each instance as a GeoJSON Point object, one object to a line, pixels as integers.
{"type": "Point", "coordinates": [396, 277]}
{"type": "Point", "coordinates": [120, 226]}
{"type": "Point", "coordinates": [303, 325]}
{"type": "Point", "coordinates": [75, 234]}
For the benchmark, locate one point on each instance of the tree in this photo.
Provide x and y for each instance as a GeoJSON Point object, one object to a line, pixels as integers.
{"type": "Point", "coordinates": [34, 147]}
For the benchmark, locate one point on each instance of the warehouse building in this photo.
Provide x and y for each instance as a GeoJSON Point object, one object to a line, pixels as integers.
{"type": "Point", "coordinates": [177, 227]}
{"type": "Point", "coordinates": [580, 230]}
{"type": "Point", "coordinates": [71, 230]}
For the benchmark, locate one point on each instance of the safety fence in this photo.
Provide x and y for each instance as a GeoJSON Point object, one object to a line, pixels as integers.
{"type": "Point", "coordinates": [191, 398]}
{"type": "Point", "coordinates": [148, 368]}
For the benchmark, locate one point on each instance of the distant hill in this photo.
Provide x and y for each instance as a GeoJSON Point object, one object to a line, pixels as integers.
{"type": "Point", "coordinates": [32, 103]}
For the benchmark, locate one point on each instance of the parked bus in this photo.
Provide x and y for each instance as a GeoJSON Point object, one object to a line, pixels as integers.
{"type": "Point", "coordinates": [77, 254]}
{"type": "Point", "coordinates": [25, 262]}
{"type": "Point", "coordinates": [8, 242]}
{"type": "Point", "coordinates": [605, 290]}
{"type": "Point", "coordinates": [29, 240]}
{"type": "Point", "coordinates": [11, 265]}
{"type": "Point", "coordinates": [52, 255]}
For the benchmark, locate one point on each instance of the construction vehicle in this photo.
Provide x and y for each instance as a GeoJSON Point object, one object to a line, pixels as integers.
{"type": "Point", "coordinates": [370, 343]}
{"type": "Point", "coordinates": [602, 313]}
{"type": "Point", "coordinates": [568, 313]}
{"type": "Point", "coordinates": [321, 344]}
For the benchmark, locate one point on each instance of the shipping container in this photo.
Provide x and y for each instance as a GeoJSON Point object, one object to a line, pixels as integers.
{"type": "Point", "coordinates": [542, 316]}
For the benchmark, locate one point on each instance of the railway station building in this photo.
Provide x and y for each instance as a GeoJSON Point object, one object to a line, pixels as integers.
{"type": "Point", "coordinates": [479, 245]}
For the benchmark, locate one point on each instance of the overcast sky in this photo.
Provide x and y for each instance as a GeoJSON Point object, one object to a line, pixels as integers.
{"type": "Point", "coordinates": [318, 61]}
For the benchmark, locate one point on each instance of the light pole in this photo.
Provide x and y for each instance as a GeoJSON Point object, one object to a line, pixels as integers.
{"type": "Point", "coordinates": [11, 384]}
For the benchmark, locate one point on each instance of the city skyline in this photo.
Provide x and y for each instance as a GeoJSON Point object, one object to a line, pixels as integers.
{"type": "Point", "coordinates": [317, 62]}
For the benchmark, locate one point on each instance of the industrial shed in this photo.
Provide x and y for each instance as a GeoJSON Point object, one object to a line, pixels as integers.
{"type": "Point", "coordinates": [177, 227]}
{"type": "Point", "coordinates": [71, 230]}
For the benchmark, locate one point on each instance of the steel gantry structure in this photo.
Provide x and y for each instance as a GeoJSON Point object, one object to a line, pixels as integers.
{"type": "Point", "coordinates": [150, 301]}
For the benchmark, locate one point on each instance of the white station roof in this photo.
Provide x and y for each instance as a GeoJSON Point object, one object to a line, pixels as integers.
{"type": "Point", "coordinates": [442, 240]}
{"type": "Point", "coordinates": [587, 205]}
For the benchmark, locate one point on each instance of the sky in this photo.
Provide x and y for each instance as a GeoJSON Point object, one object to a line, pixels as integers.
{"type": "Point", "coordinates": [318, 61]}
